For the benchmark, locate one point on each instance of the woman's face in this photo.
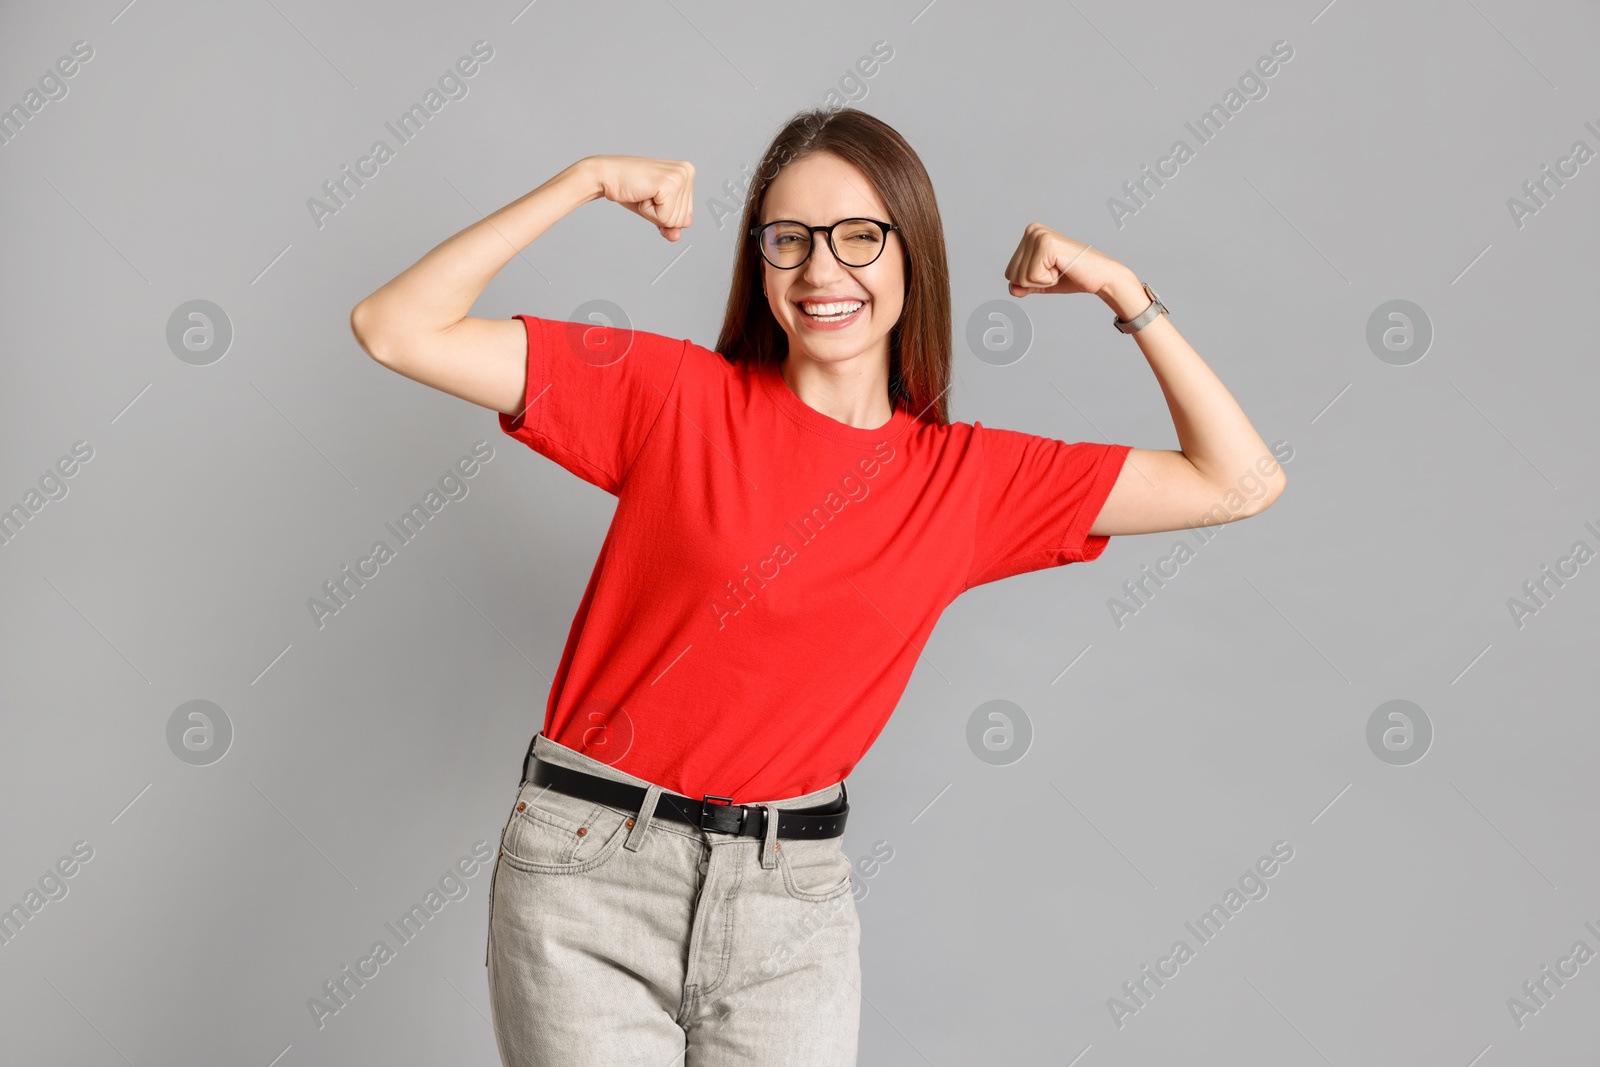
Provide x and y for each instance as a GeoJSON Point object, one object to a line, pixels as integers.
{"type": "Point", "coordinates": [820, 190]}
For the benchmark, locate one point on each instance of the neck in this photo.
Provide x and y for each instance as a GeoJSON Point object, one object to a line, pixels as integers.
{"type": "Point", "coordinates": [853, 391]}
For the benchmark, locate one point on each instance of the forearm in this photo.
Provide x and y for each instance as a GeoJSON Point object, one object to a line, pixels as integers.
{"type": "Point", "coordinates": [438, 290]}
{"type": "Point", "coordinates": [1213, 432]}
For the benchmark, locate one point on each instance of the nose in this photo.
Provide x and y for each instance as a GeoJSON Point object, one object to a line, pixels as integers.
{"type": "Point", "coordinates": [821, 247]}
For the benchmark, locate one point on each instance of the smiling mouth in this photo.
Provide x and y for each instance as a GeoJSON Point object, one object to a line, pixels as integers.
{"type": "Point", "coordinates": [836, 311]}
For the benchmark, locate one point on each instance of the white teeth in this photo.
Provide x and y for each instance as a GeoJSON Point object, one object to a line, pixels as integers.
{"type": "Point", "coordinates": [832, 312]}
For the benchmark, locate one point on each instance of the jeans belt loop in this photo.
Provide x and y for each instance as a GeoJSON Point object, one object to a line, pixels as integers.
{"type": "Point", "coordinates": [769, 857]}
{"type": "Point", "coordinates": [641, 821]}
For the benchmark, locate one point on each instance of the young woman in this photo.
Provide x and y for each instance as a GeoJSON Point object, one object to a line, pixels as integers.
{"type": "Point", "coordinates": [794, 511]}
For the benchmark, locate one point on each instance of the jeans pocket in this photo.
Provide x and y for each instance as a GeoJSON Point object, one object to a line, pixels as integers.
{"type": "Point", "coordinates": [553, 833]}
{"type": "Point", "coordinates": [814, 869]}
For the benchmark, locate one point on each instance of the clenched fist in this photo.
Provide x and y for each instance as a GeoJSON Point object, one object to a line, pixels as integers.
{"type": "Point", "coordinates": [660, 190]}
{"type": "Point", "coordinates": [1049, 262]}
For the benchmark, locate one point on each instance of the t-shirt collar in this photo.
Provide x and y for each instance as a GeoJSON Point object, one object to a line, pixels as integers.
{"type": "Point", "coordinates": [772, 383]}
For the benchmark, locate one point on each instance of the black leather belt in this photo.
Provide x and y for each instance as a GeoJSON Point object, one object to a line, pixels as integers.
{"type": "Point", "coordinates": [714, 813]}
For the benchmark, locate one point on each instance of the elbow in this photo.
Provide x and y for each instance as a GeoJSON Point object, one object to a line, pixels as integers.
{"type": "Point", "coordinates": [365, 331]}
{"type": "Point", "coordinates": [1235, 505]}
{"type": "Point", "coordinates": [1274, 490]}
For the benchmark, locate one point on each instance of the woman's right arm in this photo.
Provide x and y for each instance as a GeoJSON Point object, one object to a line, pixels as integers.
{"type": "Point", "coordinates": [417, 323]}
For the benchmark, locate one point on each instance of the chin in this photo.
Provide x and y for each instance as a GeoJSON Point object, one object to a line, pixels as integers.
{"type": "Point", "coordinates": [835, 356]}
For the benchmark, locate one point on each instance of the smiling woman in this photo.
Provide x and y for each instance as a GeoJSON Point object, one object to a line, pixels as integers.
{"type": "Point", "coordinates": [709, 794]}
{"type": "Point", "coordinates": [828, 169]}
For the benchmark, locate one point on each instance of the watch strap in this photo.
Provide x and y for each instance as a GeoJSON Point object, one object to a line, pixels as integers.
{"type": "Point", "coordinates": [1145, 317]}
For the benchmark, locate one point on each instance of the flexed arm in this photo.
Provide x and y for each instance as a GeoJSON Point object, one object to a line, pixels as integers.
{"type": "Point", "coordinates": [1219, 450]}
{"type": "Point", "coordinates": [417, 323]}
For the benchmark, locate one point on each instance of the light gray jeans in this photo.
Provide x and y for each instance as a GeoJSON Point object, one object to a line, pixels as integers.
{"type": "Point", "coordinates": [616, 939]}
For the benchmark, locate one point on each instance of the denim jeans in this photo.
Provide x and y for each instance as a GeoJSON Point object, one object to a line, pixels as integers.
{"type": "Point", "coordinates": [618, 939]}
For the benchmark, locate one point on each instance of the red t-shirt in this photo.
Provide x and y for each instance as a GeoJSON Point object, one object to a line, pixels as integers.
{"type": "Point", "coordinates": [771, 574]}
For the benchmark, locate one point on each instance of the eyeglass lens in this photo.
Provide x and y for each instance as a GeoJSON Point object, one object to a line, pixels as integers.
{"type": "Point", "coordinates": [857, 242]}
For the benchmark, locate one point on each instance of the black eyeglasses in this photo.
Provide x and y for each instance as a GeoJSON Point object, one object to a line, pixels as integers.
{"type": "Point", "coordinates": [786, 244]}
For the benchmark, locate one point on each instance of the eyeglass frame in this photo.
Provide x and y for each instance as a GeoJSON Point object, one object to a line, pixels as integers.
{"type": "Point", "coordinates": [811, 235]}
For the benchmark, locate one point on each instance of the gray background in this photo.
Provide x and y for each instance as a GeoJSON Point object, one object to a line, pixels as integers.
{"type": "Point", "coordinates": [1230, 713]}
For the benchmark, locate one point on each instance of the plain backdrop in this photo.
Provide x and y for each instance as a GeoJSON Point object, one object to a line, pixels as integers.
{"type": "Point", "coordinates": [1170, 748]}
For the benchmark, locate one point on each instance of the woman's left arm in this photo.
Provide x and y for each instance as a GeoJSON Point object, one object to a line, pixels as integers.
{"type": "Point", "coordinates": [1222, 471]}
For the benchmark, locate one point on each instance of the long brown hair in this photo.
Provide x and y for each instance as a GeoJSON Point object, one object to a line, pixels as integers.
{"type": "Point", "coordinates": [920, 342]}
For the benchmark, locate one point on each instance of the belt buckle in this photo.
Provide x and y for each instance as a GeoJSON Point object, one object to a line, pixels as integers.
{"type": "Point", "coordinates": [706, 808]}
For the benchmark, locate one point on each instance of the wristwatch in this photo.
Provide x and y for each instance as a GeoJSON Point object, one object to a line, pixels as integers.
{"type": "Point", "coordinates": [1145, 317]}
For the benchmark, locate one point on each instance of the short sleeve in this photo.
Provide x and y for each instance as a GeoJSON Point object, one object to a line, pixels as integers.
{"type": "Point", "coordinates": [593, 394]}
{"type": "Point", "coordinates": [1038, 500]}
